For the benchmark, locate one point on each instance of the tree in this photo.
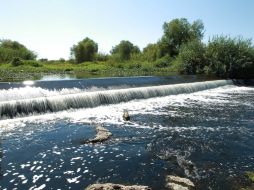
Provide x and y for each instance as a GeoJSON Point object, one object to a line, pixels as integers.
{"type": "Point", "coordinates": [191, 58]}
{"type": "Point", "coordinates": [10, 49]}
{"type": "Point", "coordinates": [85, 50]}
{"type": "Point", "coordinates": [151, 52]}
{"type": "Point", "coordinates": [125, 50]}
{"type": "Point", "coordinates": [178, 32]}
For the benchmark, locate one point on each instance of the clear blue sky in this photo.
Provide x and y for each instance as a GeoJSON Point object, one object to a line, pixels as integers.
{"type": "Point", "coordinates": [51, 27]}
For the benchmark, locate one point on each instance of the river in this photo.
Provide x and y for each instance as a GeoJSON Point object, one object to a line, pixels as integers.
{"type": "Point", "coordinates": [187, 126]}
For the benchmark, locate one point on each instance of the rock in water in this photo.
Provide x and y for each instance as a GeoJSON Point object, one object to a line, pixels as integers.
{"type": "Point", "coordinates": [178, 183]}
{"type": "Point", "coordinates": [126, 116]}
{"type": "Point", "coordinates": [174, 186]}
{"type": "Point", "coordinates": [111, 186]}
{"type": "Point", "coordinates": [102, 135]}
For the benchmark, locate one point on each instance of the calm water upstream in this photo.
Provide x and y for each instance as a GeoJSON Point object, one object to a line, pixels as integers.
{"type": "Point", "coordinates": [184, 126]}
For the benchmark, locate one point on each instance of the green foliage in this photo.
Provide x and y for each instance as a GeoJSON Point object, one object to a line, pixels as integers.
{"type": "Point", "coordinates": [230, 57]}
{"type": "Point", "coordinates": [223, 56]}
{"type": "Point", "coordinates": [32, 63]}
{"type": "Point", "coordinates": [85, 50]}
{"type": "Point", "coordinates": [151, 52]}
{"type": "Point", "coordinates": [62, 60]}
{"type": "Point", "coordinates": [101, 57]}
{"type": "Point", "coordinates": [124, 50]}
{"type": "Point", "coordinates": [163, 62]}
{"type": "Point", "coordinates": [147, 67]}
{"type": "Point", "coordinates": [16, 62]}
{"type": "Point", "coordinates": [11, 49]}
{"type": "Point", "coordinates": [43, 60]}
{"type": "Point", "coordinates": [133, 65]}
{"type": "Point", "coordinates": [191, 58]}
{"type": "Point", "coordinates": [178, 32]}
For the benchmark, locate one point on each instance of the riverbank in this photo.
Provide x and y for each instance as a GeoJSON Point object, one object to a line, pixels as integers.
{"type": "Point", "coordinates": [36, 70]}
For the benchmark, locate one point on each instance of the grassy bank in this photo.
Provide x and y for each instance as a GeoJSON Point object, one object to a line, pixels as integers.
{"type": "Point", "coordinates": [32, 70]}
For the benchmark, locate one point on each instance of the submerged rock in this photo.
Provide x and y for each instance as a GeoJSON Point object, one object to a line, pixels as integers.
{"type": "Point", "coordinates": [126, 116]}
{"type": "Point", "coordinates": [178, 183]}
{"type": "Point", "coordinates": [111, 186]}
{"type": "Point", "coordinates": [102, 135]}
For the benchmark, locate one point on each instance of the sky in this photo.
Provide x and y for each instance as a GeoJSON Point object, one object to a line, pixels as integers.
{"type": "Point", "coordinates": [52, 27]}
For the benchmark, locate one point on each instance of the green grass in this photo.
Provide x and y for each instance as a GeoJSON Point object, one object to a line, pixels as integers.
{"type": "Point", "coordinates": [32, 70]}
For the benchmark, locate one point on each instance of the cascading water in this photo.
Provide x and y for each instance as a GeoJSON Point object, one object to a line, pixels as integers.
{"type": "Point", "coordinates": [25, 101]}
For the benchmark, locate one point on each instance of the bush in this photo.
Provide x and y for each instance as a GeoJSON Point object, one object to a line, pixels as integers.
{"type": "Point", "coordinates": [230, 57]}
{"type": "Point", "coordinates": [85, 50]}
{"type": "Point", "coordinates": [101, 57]}
{"type": "Point", "coordinates": [43, 60]}
{"type": "Point", "coordinates": [35, 64]}
{"type": "Point", "coordinates": [125, 50]}
{"type": "Point", "coordinates": [68, 70]}
{"type": "Point", "coordinates": [31, 63]}
{"type": "Point", "coordinates": [133, 65]}
{"type": "Point", "coordinates": [61, 60]}
{"type": "Point", "coordinates": [147, 67]}
{"type": "Point", "coordinates": [11, 49]}
{"type": "Point", "coordinates": [16, 61]}
{"type": "Point", "coordinates": [191, 58]}
{"type": "Point", "coordinates": [163, 62]}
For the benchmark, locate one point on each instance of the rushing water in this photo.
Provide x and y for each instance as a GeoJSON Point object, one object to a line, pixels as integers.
{"type": "Point", "coordinates": [199, 130]}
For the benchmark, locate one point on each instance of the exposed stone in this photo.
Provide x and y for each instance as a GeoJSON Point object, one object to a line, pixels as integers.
{"type": "Point", "coordinates": [111, 186]}
{"type": "Point", "coordinates": [180, 180]}
{"type": "Point", "coordinates": [250, 176]}
{"type": "Point", "coordinates": [126, 116]}
{"type": "Point", "coordinates": [102, 135]}
{"type": "Point", "coordinates": [174, 186]}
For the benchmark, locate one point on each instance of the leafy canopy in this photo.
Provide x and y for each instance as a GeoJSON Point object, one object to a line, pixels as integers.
{"type": "Point", "coordinates": [10, 49]}
{"type": "Point", "coordinates": [85, 50]}
{"type": "Point", "coordinates": [125, 49]}
{"type": "Point", "coordinates": [178, 32]}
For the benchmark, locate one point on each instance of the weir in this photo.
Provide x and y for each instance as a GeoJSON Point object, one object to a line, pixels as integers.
{"type": "Point", "coordinates": [54, 102]}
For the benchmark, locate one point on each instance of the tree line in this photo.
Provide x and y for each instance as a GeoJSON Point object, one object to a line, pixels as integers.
{"type": "Point", "coordinates": [180, 48]}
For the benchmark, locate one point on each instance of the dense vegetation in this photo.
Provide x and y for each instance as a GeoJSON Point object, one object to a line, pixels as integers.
{"type": "Point", "coordinates": [180, 49]}
{"type": "Point", "coordinates": [84, 51]}
{"type": "Point", "coordinates": [11, 49]}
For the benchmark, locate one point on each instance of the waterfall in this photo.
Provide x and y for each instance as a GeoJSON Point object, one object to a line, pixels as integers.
{"type": "Point", "coordinates": [55, 101]}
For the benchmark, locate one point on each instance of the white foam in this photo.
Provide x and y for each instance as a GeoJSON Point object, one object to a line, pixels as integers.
{"type": "Point", "coordinates": [112, 114]}
{"type": "Point", "coordinates": [41, 187]}
{"type": "Point", "coordinates": [37, 177]}
{"type": "Point", "coordinates": [46, 101]}
{"type": "Point", "coordinates": [73, 180]}
{"type": "Point", "coordinates": [77, 158]}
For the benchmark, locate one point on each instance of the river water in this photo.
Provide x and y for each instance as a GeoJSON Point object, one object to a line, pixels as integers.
{"type": "Point", "coordinates": [184, 126]}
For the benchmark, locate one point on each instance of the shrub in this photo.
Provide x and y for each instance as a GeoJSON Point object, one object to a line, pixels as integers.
{"type": "Point", "coordinates": [125, 50]}
{"type": "Point", "coordinates": [163, 62]}
{"type": "Point", "coordinates": [61, 60]}
{"type": "Point", "coordinates": [68, 70]}
{"type": "Point", "coordinates": [11, 49]}
{"type": "Point", "coordinates": [32, 63]}
{"type": "Point", "coordinates": [191, 58]}
{"type": "Point", "coordinates": [101, 57]}
{"type": "Point", "coordinates": [85, 50]}
{"type": "Point", "coordinates": [133, 65]}
{"type": "Point", "coordinates": [147, 67]}
{"type": "Point", "coordinates": [16, 61]}
{"type": "Point", "coordinates": [230, 57]}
